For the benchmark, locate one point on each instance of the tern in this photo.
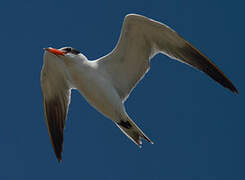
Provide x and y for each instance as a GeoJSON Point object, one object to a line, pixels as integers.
{"type": "Point", "coordinates": [107, 82]}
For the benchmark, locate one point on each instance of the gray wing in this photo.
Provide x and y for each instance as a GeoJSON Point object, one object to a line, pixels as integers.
{"type": "Point", "coordinates": [56, 99]}
{"type": "Point", "coordinates": [141, 38]}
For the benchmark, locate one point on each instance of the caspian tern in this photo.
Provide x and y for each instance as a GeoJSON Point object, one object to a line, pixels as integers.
{"type": "Point", "coordinates": [107, 82]}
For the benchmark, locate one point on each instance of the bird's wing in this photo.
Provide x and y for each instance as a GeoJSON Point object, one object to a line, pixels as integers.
{"type": "Point", "coordinates": [56, 99]}
{"type": "Point", "coordinates": [141, 38]}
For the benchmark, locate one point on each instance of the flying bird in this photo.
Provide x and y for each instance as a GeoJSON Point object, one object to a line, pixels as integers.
{"type": "Point", "coordinates": [107, 82]}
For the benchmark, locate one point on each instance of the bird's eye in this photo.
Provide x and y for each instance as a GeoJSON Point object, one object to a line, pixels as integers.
{"type": "Point", "coordinates": [67, 49]}
{"type": "Point", "coordinates": [71, 50]}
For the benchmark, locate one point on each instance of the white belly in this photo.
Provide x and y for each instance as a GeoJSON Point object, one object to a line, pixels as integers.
{"type": "Point", "coordinates": [100, 93]}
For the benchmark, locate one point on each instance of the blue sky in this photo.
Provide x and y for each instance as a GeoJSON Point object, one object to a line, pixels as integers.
{"type": "Point", "coordinates": [197, 125]}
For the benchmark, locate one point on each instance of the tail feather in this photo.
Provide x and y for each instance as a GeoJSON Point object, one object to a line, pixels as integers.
{"type": "Point", "coordinates": [130, 129]}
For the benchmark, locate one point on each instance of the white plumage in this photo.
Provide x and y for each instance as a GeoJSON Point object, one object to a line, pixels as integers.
{"type": "Point", "coordinates": [107, 82]}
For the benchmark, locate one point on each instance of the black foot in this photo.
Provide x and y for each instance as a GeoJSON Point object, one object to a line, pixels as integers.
{"type": "Point", "coordinates": [124, 124]}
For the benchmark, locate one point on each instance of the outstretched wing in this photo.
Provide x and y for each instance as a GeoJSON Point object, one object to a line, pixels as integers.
{"type": "Point", "coordinates": [141, 38]}
{"type": "Point", "coordinates": [56, 99]}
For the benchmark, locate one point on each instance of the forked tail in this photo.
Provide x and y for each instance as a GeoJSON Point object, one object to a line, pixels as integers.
{"type": "Point", "coordinates": [130, 129]}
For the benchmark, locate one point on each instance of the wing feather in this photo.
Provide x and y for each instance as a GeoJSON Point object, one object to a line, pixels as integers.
{"type": "Point", "coordinates": [56, 99]}
{"type": "Point", "coordinates": [141, 38]}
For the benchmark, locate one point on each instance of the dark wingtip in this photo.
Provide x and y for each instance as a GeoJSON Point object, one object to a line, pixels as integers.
{"type": "Point", "coordinates": [235, 91]}
{"type": "Point", "coordinates": [58, 153]}
{"type": "Point", "coordinates": [59, 160]}
{"type": "Point", "coordinates": [228, 84]}
{"type": "Point", "coordinates": [58, 156]}
{"type": "Point", "coordinates": [57, 142]}
{"type": "Point", "coordinates": [55, 121]}
{"type": "Point", "coordinates": [195, 58]}
{"type": "Point", "coordinates": [231, 87]}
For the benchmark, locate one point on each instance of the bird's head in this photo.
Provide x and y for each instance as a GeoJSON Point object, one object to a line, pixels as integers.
{"type": "Point", "coordinates": [68, 54]}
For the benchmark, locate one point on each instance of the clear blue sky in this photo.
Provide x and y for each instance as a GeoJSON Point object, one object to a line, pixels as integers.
{"type": "Point", "coordinates": [198, 126]}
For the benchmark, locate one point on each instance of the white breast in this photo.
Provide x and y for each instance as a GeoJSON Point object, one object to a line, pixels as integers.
{"type": "Point", "coordinates": [96, 89]}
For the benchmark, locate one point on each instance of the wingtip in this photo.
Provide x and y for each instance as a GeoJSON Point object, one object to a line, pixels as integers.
{"type": "Point", "coordinates": [59, 160]}
{"type": "Point", "coordinates": [58, 155]}
{"type": "Point", "coordinates": [235, 91]}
